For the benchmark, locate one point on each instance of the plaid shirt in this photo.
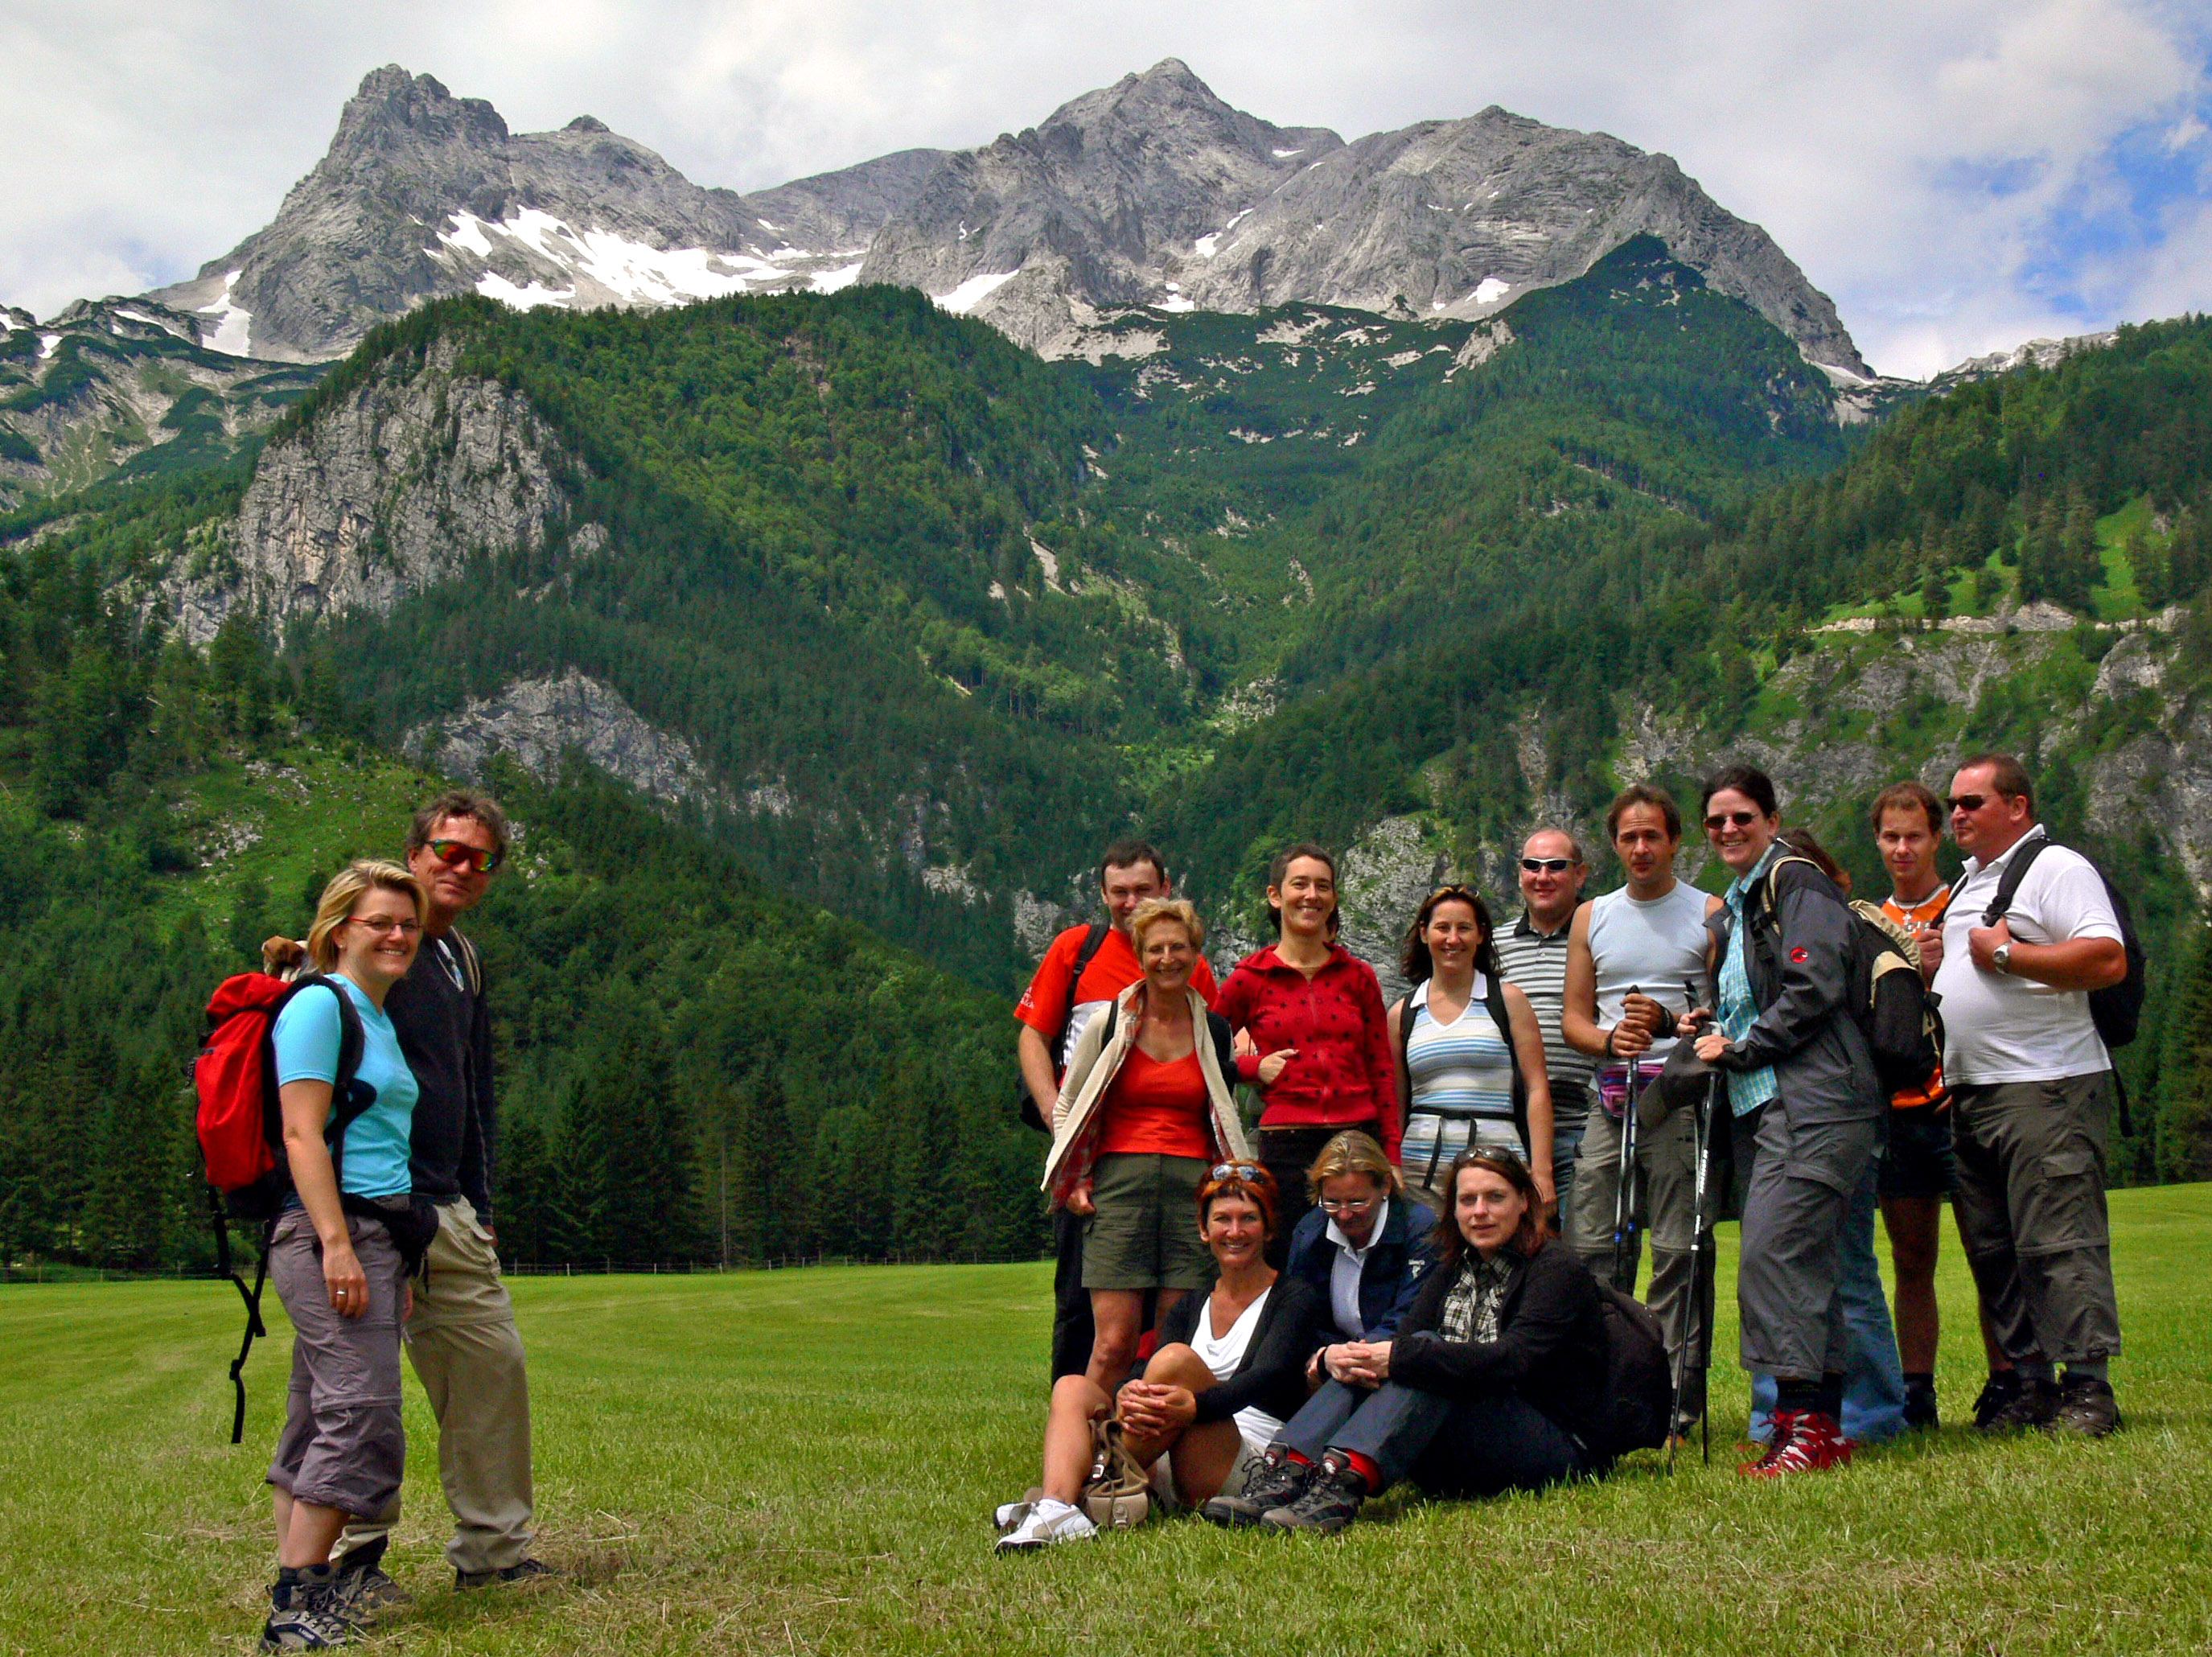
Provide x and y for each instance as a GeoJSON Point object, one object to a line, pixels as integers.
{"type": "Point", "coordinates": [1476, 1296]}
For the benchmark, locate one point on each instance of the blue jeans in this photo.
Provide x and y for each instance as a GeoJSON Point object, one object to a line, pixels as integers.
{"type": "Point", "coordinates": [1873, 1384]}
{"type": "Point", "coordinates": [1566, 1146]}
{"type": "Point", "coordinates": [1470, 1447]}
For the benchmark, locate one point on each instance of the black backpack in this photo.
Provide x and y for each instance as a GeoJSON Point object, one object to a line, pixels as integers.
{"type": "Point", "coordinates": [2116, 1009]}
{"type": "Point", "coordinates": [1639, 1386]}
{"type": "Point", "coordinates": [1091, 941]}
{"type": "Point", "coordinates": [1889, 1000]}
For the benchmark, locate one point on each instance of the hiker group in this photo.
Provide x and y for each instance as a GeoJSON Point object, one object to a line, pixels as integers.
{"type": "Point", "coordinates": [346, 1104]}
{"type": "Point", "coordinates": [1423, 1268]}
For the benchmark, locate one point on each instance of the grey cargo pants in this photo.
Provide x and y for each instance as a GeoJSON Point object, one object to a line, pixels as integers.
{"type": "Point", "coordinates": [1802, 1176]}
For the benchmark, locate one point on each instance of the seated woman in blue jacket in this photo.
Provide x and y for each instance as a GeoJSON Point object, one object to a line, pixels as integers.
{"type": "Point", "coordinates": [1365, 1244]}
{"type": "Point", "coordinates": [1495, 1380]}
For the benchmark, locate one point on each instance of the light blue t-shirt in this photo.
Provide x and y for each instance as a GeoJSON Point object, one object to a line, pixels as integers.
{"type": "Point", "coordinates": [375, 1161]}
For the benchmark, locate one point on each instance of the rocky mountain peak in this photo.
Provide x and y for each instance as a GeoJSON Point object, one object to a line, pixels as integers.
{"type": "Point", "coordinates": [394, 108]}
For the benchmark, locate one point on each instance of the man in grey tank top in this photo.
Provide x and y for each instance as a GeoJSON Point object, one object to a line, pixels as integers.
{"type": "Point", "coordinates": [1636, 961]}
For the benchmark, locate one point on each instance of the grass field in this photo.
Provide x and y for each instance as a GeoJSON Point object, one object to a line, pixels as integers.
{"type": "Point", "coordinates": [802, 1461]}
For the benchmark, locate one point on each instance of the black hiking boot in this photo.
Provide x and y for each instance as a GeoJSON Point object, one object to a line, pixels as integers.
{"type": "Point", "coordinates": [303, 1612]}
{"type": "Point", "coordinates": [2086, 1407]}
{"type": "Point", "coordinates": [528, 1572]}
{"type": "Point", "coordinates": [1997, 1393]}
{"type": "Point", "coordinates": [2031, 1407]}
{"type": "Point", "coordinates": [1272, 1479]}
{"type": "Point", "coordinates": [362, 1589]}
{"type": "Point", "coordinates": [1331, 1500]}
{"type": "Point", "coordinates": [1920, 1406]}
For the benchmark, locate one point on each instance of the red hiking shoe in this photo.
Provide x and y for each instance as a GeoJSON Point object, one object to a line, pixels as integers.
{"type": "Point", "coordinates": [1813, 1443]}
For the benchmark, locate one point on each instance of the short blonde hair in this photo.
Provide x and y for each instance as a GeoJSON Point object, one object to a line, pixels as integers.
{"type": "Point", "coordinates": [346, 889]}
{"type": "Point", "coordinates": [1352, 1152]}
{"type": "Point", "coordinates": [1154, 910]}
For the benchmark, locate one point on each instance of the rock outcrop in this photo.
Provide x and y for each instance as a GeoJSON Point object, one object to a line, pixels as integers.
{"type": "Point", "coordinates": [540, 720]}
{"type": "Point", "coordinates": [391, 490]}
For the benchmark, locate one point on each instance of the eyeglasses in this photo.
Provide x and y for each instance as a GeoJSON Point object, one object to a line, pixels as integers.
{"type": "Point", "coordinates": [460, 854]}
{"type": "Point", "coordinates": [1233, 1171]}
{"type": "Point", "coordinates": [1547, 866]}
{"type": "Point", "coordinates": [1346, 1205]}
{"type": "Point", "coordinates": [386, 924]}
{"type": "Point", "coordinates": [1721, 820]}
{"type": "Point", "coordinates": [1969, 802]}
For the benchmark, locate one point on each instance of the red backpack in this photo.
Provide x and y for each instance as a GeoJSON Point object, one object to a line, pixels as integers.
{"type": "Point", "coordinates": [241, 1124]}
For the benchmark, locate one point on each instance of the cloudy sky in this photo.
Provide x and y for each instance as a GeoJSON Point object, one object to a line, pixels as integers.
{"type": "Point", "coordinates": [1958, 175]}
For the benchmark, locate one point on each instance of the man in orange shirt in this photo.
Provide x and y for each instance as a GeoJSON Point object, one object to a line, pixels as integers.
{"type": "Point", "coordinates": [1917, 1173]}
{"type": "Point", "coordinates": [1083, 970]}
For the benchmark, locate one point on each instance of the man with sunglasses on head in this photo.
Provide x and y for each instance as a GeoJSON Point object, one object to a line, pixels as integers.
{"type": "Point", "coordinates": [1534, 953]}
{"type": "Point", "coordinates": [2031, 1099]}
{"type": "Point", "coordinates": [461, 1334]}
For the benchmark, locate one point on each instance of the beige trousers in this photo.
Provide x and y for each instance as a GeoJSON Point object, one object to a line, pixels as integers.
{"type": "Point", "coordinates": [462, 1339]}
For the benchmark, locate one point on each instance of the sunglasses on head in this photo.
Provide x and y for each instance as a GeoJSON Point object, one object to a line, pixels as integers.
{"type": "Point", "coordinates": [1547, 866]}
{"type": "Point", "coordinates": [1721, 820]}
{"type": "Point", "coordinates": [1233, 1171]}
{"type": "Point", "coordinates": [460, 854]}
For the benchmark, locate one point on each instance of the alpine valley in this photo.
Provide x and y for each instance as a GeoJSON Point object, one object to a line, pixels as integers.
{"type": "Point", "coordinates": [823, 574]}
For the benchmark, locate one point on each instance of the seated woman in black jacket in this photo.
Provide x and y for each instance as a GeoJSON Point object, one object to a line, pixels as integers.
{"type": "Point", "coordinates": [1494, 1382]}
{"type": "Point", "coordinates": [1230, 1367]}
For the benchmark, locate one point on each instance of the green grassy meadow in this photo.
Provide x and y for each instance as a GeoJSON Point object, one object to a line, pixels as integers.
{"type": "Point", "coordinates": [802, 1461]}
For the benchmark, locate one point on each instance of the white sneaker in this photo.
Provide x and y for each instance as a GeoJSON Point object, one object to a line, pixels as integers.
{"type": "Point", "coordinates": [1050, 1521]}
{"type": "Point", "coordinates": [1007, 1514]}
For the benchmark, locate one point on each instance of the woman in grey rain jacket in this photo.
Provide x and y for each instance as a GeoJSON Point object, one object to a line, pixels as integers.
{"type": "Point", "coordinates": [1785, 1036]}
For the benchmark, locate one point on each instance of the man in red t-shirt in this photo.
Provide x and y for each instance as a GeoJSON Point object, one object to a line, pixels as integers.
{"type": "Point", "coordinates": [1082, 972]}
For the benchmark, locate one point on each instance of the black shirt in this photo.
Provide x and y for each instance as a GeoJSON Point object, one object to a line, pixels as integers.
{"type": "Point", "coordinates": [445, 1035]}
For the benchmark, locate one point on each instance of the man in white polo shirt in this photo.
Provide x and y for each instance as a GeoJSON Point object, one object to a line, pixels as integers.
{"type": "Point", "coordinates": [2031, 1098]}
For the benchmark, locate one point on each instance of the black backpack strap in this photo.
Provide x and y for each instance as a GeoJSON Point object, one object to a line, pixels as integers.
{"type": "Point", "coordinates": [1406, 1012]}
{"type": "Point", "coordinates": [226, 1267]}
{"type": "Point", "coordinates": [2023, 859]}
{"type": "Point", "coordinates": [1493, 999]}
{"type": "Point", "coordinates": [1092, 939]}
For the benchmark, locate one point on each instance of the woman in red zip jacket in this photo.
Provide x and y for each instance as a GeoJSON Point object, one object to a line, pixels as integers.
{"type": "Point", "coordinates": [1320, 1042]}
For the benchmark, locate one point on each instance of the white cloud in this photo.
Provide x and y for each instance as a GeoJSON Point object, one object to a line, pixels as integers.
{"type": "Point", "coordinates": [1910, 156]}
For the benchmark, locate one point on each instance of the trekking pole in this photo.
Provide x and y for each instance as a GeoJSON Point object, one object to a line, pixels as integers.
{"type": "Point", "coordinates": [1701, 1143]}
{"type": "Point", "coordinates": [1624, 1195]}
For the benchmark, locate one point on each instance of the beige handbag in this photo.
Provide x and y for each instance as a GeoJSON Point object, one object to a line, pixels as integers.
{"type": "Point", "coordinates": [1118, 1496]}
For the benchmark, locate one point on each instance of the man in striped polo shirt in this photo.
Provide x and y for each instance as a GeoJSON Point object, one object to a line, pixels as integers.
{"type": "Point", "coordinates": [1534, 953]}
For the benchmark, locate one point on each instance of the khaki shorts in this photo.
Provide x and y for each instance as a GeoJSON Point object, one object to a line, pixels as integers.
{"type": "Point", "coordinates": [1144, 1233]}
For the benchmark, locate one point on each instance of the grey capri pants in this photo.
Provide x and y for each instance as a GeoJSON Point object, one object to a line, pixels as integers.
{"type": "Point", "coordinates": [343, 1445]}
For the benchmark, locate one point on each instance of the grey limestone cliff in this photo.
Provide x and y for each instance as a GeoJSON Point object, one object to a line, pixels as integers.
{"type": "Point", "coordinates": [539, 721]}
{"type": "Point", "coordinates": [391, 490]}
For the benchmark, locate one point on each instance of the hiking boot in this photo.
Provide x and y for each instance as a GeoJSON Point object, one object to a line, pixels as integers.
{"type": "Point", "coordinates": [525, 1571]}
{"type": "Point", "coordinates": [1997, 1392]}
{"type": "Point", "coordinates": [1920, 1407]}
{"type": "Point", "coordinates": [1779, 1425]}
{"type": "Point", "coordinates": [304, 1614]}
{"type": "Point", "coordinates": [362, 1590]}
{"type": "Point", "coordinates": [2086, 1407]}
{"type": "Point", "coordinates": [1815, 1443]}
{"type": "Point", "coordinates": [1330, 1501]}
{"type": "Point", "coordinates": [2031, 1404]}
{"type": "Point", "coordinates": [1049, 1521]}
{"type": "Point", "coordinates": [1272, 1479]}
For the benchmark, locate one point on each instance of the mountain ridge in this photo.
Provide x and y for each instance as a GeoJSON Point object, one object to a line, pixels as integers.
{"type": "Point", "coordinates": [1150, 192]}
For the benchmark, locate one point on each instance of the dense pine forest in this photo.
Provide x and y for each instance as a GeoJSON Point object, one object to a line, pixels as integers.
{"type": "Point", "coordinates": [972, 613]}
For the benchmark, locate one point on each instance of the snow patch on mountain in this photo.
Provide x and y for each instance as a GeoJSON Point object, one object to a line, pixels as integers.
{"type": "Point", "coordinates": [601, 266]}
{"type": "Point", "coordinates": [974, 291]}
{"type": "Point", "coordinates": [233, 334]}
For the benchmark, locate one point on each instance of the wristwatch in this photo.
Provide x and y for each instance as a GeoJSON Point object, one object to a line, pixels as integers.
{"type": "Point", "coordinates": [2001, 957]}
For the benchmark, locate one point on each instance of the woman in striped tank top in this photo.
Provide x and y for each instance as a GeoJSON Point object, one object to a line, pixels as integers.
{"type": "Point", "coordinates": [1456, 1068]}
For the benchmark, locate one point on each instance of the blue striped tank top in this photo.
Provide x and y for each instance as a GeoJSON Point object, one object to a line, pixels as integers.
{"type": "Point", "coordinates": [1463, 1079]}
